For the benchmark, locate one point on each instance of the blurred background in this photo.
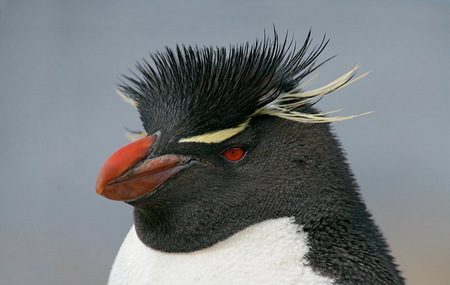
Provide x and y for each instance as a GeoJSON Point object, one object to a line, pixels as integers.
{"type": "Point", "coordinates": [60, 118]}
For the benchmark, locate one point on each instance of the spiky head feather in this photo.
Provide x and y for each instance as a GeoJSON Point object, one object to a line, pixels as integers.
{"type": "Point", "coordinates": [189, 91]}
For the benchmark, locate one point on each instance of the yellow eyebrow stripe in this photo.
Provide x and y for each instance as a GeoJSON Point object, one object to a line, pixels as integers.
{"type": "Point", "coordinates": [217, 136]}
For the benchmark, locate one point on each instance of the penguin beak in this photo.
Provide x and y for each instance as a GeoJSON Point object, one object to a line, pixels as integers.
{"type": "Point", "coordinates": [128, 174]}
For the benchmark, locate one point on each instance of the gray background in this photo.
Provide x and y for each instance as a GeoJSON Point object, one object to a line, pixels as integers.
{"type": "Point", "coordinates": [60, 118]}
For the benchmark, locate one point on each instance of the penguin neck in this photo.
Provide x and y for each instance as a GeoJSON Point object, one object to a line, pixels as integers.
{"type": "Point", "coordinates": [190, 231]}
{"type": "Point", "coordinates": [270, 252]}
{"type": "Point", "coordinates": [331, 230]}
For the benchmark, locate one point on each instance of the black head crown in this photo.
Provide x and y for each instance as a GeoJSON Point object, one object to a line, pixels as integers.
{"type": "Point", "coordinates": [190, 91]}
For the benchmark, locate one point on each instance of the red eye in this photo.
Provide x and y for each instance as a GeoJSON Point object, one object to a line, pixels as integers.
{"type": "Point", "coordinates": [234, 154]}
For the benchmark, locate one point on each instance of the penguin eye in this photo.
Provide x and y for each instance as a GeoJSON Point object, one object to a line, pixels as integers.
{"type": "Point", "coordinates": [234, 154]}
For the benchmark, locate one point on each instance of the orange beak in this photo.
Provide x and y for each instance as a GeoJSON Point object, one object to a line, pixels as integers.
{"type": "Point", "coordinates": [127, 174]}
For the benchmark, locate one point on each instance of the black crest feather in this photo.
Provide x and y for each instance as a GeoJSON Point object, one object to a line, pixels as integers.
{"type": "Point", "coordinates": [193, 90]}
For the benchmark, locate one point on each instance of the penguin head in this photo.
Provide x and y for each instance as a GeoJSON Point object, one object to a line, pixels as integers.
{"type": "Point", "coordinates": [231, 139]}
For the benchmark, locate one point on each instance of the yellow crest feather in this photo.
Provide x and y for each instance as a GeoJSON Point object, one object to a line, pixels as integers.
{"type": "Point", "coordinates": [127, 99]}
{"type": "Point", "coordinates": [285, 104]}
{"type": "Point", "coordinates": [282, 107]}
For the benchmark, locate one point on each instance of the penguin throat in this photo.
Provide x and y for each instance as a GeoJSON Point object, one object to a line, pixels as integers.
{"type": "Point", "coordinates": [270, 252]}
{"type": "Point", "coordinates": [182, 236]}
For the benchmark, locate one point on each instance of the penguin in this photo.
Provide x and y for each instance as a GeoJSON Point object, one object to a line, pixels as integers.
{"type": "Point", "coordinates": [238, 178]}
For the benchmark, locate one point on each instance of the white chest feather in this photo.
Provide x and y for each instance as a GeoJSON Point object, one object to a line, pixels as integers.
{"type": "Point", "coordinates": [271, 252]}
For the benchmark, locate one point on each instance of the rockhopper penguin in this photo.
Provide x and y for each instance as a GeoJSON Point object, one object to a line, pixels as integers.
{"type": "Point", "coordinates": [237, 178]}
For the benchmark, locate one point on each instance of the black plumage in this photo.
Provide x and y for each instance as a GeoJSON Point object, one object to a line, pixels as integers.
{"type": "Point", "coordinates": [190, 90]}
{"type": "Point", "coordinates": [290, 169]}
